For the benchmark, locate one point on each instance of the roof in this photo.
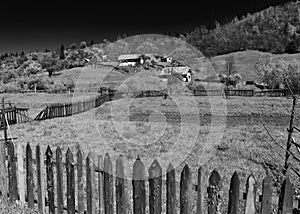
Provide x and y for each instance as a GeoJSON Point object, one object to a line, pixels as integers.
{"type": "Point", "coordinates": [129, 56]}
{"type": "Point", "coordinates": [182, 70]}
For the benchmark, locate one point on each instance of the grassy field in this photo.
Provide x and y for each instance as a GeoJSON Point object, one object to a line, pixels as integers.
{"type": "Point", "coordinates": [232, 139]}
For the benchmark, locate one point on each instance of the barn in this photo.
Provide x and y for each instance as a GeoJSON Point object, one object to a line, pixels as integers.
{"type": "Point", "coordinates": [130, 60]}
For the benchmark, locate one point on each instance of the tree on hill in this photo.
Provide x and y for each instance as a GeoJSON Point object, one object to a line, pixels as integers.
{"type": "Point", "coordinates": [62, 52]}
{"type": "Point", "coordinates": [73, 46]}
{"type": "Point", "coordinates": [278, 74]}
{"type": "Point", "coordinates": [83, 45]}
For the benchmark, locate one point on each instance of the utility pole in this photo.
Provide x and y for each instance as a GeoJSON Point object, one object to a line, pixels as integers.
{"type": "Point", "coordinates": [289, 140]}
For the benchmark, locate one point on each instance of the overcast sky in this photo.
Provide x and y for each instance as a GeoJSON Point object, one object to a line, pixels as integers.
{"type": "Point", "coordinates": [31, 25]}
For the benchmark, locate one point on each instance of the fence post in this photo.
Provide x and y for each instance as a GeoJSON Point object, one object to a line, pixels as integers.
{"type": "Point", "coordinates": [155, 188]}
{"type": "Point", "coordinates": [59, 178]}
{"type": "Point", "coordinates": [200, 189]}
{"type": "Point", "coordinates": [50, 180]}
{"type": "Point", "coordinates": [120, 187]}
{"type": "Point", "coordinates": [21, 174]}
{"type": "Point", "coordinates": [185, 190]}
{"type": "Point", "coordinates": [40, 179]}
{"type": "Point", "coordinates": [266, 195]}
{"type": "Point", "coordinates": [171, 190]}
{"type": "Point", "coordinates": [70, 182]}
{"type": "Point", "coordinates": [290, 131]}
{"type": "Point", "coordinates": [80, 197]}
{"type": "Point", "coordinates": [214, 192]}
{"type": "Point", "coordinates": [285, 203]}
{"type": "Point", "coordinates": [250, 195]}
{"type": "Point", "coordinates": [233, 204]}
{"type": "Point", "coordinates": [12, 172]}
{"type": "Point", "coordinates": [3, 144]}
{"type": "Point", "coordinates": [29, 177]}
{"type": "Point", "coordinates": [108, 185]}
{"type": "Point", "coordinates": [138, 185]}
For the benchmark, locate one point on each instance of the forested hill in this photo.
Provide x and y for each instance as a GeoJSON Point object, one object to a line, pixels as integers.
{"type": "Point", "coordinates": [275, 30]}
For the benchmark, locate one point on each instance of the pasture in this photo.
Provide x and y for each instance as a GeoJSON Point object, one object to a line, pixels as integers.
{"type": "Point", "coordinates": [171, 131]}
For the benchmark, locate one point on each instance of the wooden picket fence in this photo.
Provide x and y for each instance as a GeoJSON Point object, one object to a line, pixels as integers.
{"type": "Point", "coordinates": [17, 182]}
{"type": "Point", "coordinates": [71, 108]}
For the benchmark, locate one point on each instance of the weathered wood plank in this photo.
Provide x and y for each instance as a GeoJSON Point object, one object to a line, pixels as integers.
{"type": "Point", "coordinates": [29, 177]}
{"type": "Point", "coordinates": [90, 182]}
{"type": "Point", "coordinates": [201, 189]}
{"type": "Point", "coordinates": [250, 195]}
{"type": "Point", "coordinates": [70, 182]}
{"type": "Point", "coordinates": [120, 187]}
{"type": "Point", "coordinates": [50, 180]}
{"type": "Point", "coordinates": [12, 173]}
{"type": "Point", "coordinates": [266, 196]}
{"type": "Point", "coordinates": [285, 203]}
{"type": "Point", "coordinates": [100, 184]}
{"type": "Point", "coordinates": [234, 194]}
{"type": "Point", "coordinates": [138, 185]}
{"type": "Point", "coordinates": [21, 174]}
{"type": "Point", "coordinates": [3, 169]}
{"type": "Point", "coordinates": [171, 190]}
{"type": "Point", "coordinates": [108, 185]}
{"type": "Point", "coordinates": [59, 181]}
{"type": "Point", "coordinates": [185, 190]}
{"type": "Point", "coordinates": [214, 192]}
{"type": "Point", "coordinates": [40, 179]}
{"type": "Point", "coordinates": [155, 188]}
{"type": "Point", "coordinates": [80, 181]}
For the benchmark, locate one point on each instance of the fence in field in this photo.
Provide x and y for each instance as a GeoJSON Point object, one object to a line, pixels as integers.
{"type": "Point", "coordinates": [14, 115]}
{"type": "Point", "coordinates": [55, 183]}
{"type": "Point", "coordinates": [71, 108]}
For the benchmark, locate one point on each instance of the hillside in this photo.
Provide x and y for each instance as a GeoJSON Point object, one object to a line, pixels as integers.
{"type": "Point", "coordinates": [275, 30]}
{"type": "Point", "coordinates": [245, 61]}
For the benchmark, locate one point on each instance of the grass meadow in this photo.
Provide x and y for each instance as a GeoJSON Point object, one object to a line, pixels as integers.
{"type": "Point", "coordinates": [227, 135]}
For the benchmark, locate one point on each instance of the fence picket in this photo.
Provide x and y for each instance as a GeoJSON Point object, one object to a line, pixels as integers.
{"type": "Point", "coordinates": [59, 181]}
{"type": "Point", "coordinates": [250, 195]}
{"type": "Point", "coordinates": [50, 180]}
{"type": "Point", "coordinates": [233, 204]}
{"type": "Point", "coordinates": [3, 169]}
{"type": "Point", "coordinates": [80, 181]}
{"type": "Point", "coordinates": [138, 185]}
{"type": "Point", "coordinates": [90, 182]}
{"type": "Point", "coordinates": [120, 187]}
{"type": "Point", "coordinates": [100, 184]}
{"type": "Point", "coordinates": [21, 174]}
{"type": "Point", "coordinates": [12, 172]}
{"type": "Point", "coordinates": [40, 179]}
{"type": "Point", "coordinates": [29, 177]}
{"type": "Point", "coordinates": [201, 189]}
{"type": "Point", "coordinates": [266, 195]}
{"type": "Point", "coordinates": [185, 190]}
{"type": "Point", "coordinates": [155, 188]}
{"type": "Point", "coordinates": [171, 190]}
{"type": "Point", "coordinates": [285, 203]}
{"type": "Point", "coordinates": [214, 192]}
{"type": "Point", "coordinates": [70, 182]}
{"type": "Point", "coordinates": [108, 185]}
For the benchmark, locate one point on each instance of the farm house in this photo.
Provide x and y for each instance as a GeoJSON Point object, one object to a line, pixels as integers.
{"type": "Point", "coordinates": [130, 60]}
{"type": "Point", "coordinates": [185, 72]}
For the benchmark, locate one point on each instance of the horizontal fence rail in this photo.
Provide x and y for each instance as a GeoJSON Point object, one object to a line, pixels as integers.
{"type": "Point", "coordinates": [46, 185]}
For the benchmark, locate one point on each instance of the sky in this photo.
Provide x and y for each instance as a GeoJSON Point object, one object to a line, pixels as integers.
{"type": "Point", "coordinates": [39, 25]}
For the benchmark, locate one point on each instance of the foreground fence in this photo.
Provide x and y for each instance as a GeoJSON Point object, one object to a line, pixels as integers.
{"type": "Point", "coordinates": [96, 189]}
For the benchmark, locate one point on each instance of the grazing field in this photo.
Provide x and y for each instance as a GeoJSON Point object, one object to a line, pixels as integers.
{"type": "Point", "coordinates": [174, 132]}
